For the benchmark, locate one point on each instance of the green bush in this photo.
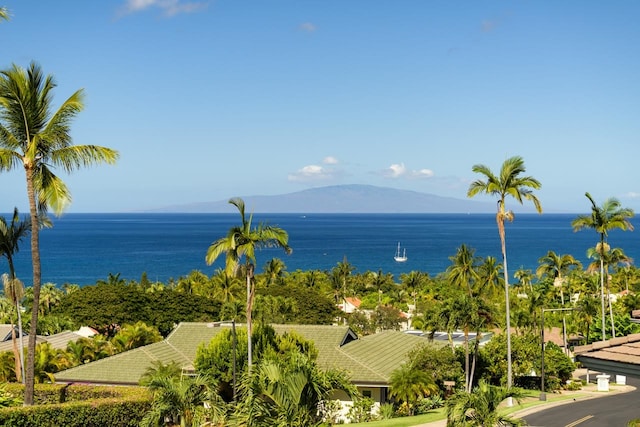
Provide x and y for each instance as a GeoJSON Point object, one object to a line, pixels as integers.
{"type": "Point", "coordinates": [79, 405]}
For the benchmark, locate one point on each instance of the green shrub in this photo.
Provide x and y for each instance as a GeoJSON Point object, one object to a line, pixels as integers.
{"type": "Point", "coordinates": [427, 404]}
{"type": "Point", "coordinates": [82, 405]}
{"type": "Point", "coordinates": [574, 385]}
{"type": "Point", "coordinates": [387, 411]}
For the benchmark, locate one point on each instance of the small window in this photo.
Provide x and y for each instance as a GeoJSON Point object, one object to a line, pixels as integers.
{"type": "Point", "coordinates": [366, 393]}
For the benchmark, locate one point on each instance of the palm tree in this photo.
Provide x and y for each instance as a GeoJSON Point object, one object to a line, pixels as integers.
{"type": "Point", "coordinates": [134, 336]}
{"type": "Point", "coordinates": [409, 383]}
{"type": "Point", "coordinates": [480, 407]}
{"type": "Point", "coordinates": [462, 272]}
{"type": "Point", "coordinates": [604, 218]}
{"type": "Point", "coordinates": [4, 14]}
{"type": "Point", "coordinates": [243, 241]}
{"type": "Point", "coordinates": [287, 390]}
{"type": "Point", "coordinates": [34, 138]}
{"type": "Point", "coordinates": [339, 277]}
{"type": "Point", "coordinates": [10, 237]}
{"type": "Point", "coordinates": [524, 277]}
{"type": "Point", "coordinates": [225, 288]}
{"type": "Point", "coordinates": [609, 257]}
{"type": "Point", "coordinates": [179, 399]}
{"type": "Point", "coordinates": [508, 183]}
{"type": "Point", "coordinates": [556, 267]}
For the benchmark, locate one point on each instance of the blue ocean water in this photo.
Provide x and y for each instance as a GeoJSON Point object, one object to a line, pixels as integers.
{"type": "Point", "coordinates": [84, 248]}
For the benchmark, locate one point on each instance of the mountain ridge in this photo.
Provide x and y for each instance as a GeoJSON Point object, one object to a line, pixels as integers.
{"type": "Point", "coordinates": [348, 198]}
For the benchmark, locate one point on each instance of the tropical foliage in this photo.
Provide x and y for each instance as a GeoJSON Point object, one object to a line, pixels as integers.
{"type": "Point", "coordinates": [37, 139]}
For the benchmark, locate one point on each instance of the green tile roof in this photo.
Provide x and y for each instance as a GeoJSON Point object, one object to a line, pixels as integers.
{"type": "Point", "coordinates": [369, 360]}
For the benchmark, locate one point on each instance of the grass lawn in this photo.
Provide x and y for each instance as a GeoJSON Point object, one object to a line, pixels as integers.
{"type": "Point", "coordinates": [438, 414]}
{"type": "Point", "coordinates": [532, 399]}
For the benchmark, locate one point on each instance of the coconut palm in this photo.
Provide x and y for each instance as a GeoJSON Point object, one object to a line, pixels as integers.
{"type": "Point", "coordinates": [480, 407]}
{"type": "Point", "coordinates": [462, 272]}
{"type": "Point", "coordinates": [556, 267]}
{"type": "Point", "coordinates": [525, 277]}
{"type": "Point", "coordinates": [489, 277]}
{"type": "Point", "coordinates": [37, 140]}
{"type": "Point", "coordinates": [340, 275]}
{"type": "Point", "coordinates": [609, 216]}
{"type": "Point", "coordinates": [10, 237]}
{"type": "Point", "coordinates": [134, 336]}
{"type": "Point", "coordinates": [510, 182]}
{"type": "Point", "coordinates": [242, 242]}
{"type": "Point", "coordinates": [226, 288]}
{"type": "Point", "coordinates": [4, 14]}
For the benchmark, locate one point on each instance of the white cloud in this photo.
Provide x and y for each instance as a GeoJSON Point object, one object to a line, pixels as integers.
{"type": "Point", "coordinates": [399, 170]}
{"type": "Point", "coordinates": [396, 170]}
{"type": "Point", "coordinates": [330, 160]}
{"type": "Point", "coordinates": [422, 173]}
{"type": "Point", "coordinates": [311, 173]}
{"type": "Point", "coordinates": [632, 195]}
{"type": "Point", "coordinates": [308, 27]}
{"type": "Point", "coordinates": [168, 7]}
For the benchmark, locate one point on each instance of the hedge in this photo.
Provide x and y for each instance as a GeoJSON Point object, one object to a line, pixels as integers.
{"type": "Point", "coordinates": [78, 405]}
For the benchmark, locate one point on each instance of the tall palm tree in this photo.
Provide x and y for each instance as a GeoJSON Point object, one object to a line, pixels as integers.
{"type": "Point", "coordinates": [462, 272]}
{"type": "Point", "coordinates": [10, 237]}
{"type": "Point", "coordinates": [525, 278]}
{"type": "Point", "coordinates": [510, 182]}
{"type": "Point", "coordinates": [34, 138]}
{"type": "Point", "coordinates": [242, 242]}
{"type": "Point", "coordinates": [609, 257]}
{"type": "Point", "coordinates": [556, 267]}
{"type": "Point", "coordinates": [609, 216]}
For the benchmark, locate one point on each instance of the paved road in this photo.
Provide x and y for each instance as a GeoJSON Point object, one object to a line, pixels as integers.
{"type": "Point", "coordinates": [610, 411]}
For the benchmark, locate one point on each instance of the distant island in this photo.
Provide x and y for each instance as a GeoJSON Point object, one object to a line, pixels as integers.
{"type": "Point", "coordinates": [352, 198]}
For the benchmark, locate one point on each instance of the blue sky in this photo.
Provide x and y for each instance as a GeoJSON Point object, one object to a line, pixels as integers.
{"type": "Point", "coordinates": [207, 100]}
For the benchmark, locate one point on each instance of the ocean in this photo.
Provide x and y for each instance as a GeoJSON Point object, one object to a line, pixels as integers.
{"type": "Point", "coordinates": [84, 248]}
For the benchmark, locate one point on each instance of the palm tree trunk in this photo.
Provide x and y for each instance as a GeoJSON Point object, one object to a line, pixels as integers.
{"type": "Point", "coordinates": [503, 243]}
{"type": "Point", "coordinates": [37, 275]}
{"type": "Point", "coordinates": [16, 354]}
{"type": "Point", "coordinates": [21, 348]}
{"type": "Point", "coordinates": [613, 327]}
{"type": "Point", "coordinates": [466, 360]}
{"type": "Point", "coordinates": [250, 292]}
{"type": "Point", "coordinates": [604, 333]}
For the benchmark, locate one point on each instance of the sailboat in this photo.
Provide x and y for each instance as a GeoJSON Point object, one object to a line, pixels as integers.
{"type": "Point", "coordinates": [398, 257]}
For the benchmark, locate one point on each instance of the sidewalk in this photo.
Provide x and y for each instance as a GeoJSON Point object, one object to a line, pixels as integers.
{"type": "Point", "coordinates": [589, 391]}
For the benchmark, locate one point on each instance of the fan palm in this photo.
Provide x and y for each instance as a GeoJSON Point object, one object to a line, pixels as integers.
{"type": "Point", "coordinates": [510, 182]}
{"type": "Point", "coordinates": [242, 242]}
{"type": "Point", "coordinates": [604, 218]}
{"type": "Point", "coordinates": [34, 138]}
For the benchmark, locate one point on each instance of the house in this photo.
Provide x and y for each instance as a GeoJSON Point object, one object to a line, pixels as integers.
{"type": "Point", "coordinates": [350, 305]}
{"type": "Point", "coordinates": [617, 356]}
{"type": "Point", "coordinates": [58, 341]}
{"type": "Point", "coordinates": [369, 360]}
